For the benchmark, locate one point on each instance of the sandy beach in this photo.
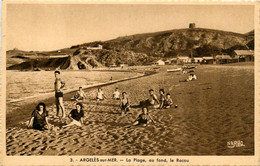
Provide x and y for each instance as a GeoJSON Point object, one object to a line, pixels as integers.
{"type": "Point", "coordinates": [215, 109]}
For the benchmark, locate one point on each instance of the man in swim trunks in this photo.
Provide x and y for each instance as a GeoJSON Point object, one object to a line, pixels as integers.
{"type": "Point", "coordinates": [58, 85]}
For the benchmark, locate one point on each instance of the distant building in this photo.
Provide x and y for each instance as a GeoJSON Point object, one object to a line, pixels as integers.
{"type": "Point", "coordinates": [221, 59]}
{"type": "Point", "coordinates": [208, 60]}
{"type": "Point", "coordinates": [183, 59]}
{"type": "Point", "coordinates": [99, 47]}
{"type": "Point", "coordinates": [159, 62]}
{"type": "Point", "coordinates": [123, 65]}
{"type": "Point", "coordinates": [197, 60]}
{"type": "Point", "coordinates": [235, 59]}
{"type": "Point", "coordinates": [244, 55]}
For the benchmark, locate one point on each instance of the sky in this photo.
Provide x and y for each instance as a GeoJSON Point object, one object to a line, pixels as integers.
{"type": "Point", "coordinates": [48, 27]}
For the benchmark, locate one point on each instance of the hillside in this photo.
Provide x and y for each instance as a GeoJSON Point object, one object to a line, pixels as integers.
{"type": "Point", "coordinates": [140, 49]}
{"type": "Point", "coordinates": [181, 42]}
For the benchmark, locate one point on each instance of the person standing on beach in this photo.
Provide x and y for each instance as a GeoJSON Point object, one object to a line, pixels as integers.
{"type": "Point", "coordinates": [76, 116]}
{"type": "Point", "coordinates": [39, 118]}
{"type": "Point", "coordinates": [58, 84]}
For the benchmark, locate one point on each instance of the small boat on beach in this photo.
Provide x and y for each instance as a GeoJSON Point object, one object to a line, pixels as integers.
{"type": "Point", "coordinates": [174, 70]}
{"type": "Point", "coordinates": [189, 67]}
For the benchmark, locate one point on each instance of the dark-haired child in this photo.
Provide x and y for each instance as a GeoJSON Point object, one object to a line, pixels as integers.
{"type": "Point", "coordinates": [168, 101]}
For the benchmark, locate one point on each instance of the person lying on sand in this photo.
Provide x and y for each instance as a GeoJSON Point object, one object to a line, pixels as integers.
{"type": "Point", "coordinates": [58, 84]}
{"type": "Point", "coordinates": [80, 95]}
{"type": "Point", "coordinates": [76, 116]}
{"type": "Point", "coordinates": [192, 77]}
{"type": "Point", "coordinates": [125, 105]}
{"type": "Point", "coordinates": [168, 101]}
{"type": "Point", "coordinates": [100, 95]}
{"type": "Point", "coordinates": [143, 118]}
{"type": "Point", "coordinates": [116, 94]}
{"type": "Point", "coordinates": [39, 118]}
{"type": "Point", "coordinates": [161, 98]}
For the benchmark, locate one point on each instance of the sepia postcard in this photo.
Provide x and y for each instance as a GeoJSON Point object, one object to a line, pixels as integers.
{"type": "Point", "coordinates": [130, 83]}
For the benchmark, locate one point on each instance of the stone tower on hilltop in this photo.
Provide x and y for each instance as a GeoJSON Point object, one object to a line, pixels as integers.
{"type": "Point", "coordinates": [192, 25]}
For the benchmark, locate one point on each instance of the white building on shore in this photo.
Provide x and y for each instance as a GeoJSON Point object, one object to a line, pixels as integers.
{"type": "Point", "coordinates": [159, 63]}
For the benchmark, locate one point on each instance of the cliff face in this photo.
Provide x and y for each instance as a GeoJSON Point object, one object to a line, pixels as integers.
{"type": "Point", "coordinates": [137, 49]}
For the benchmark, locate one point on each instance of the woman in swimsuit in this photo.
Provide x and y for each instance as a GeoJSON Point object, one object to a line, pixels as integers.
{"type": "Point", "coordinates": [39, 118]}
{"type": "Point", "coordinates": [125, 105]}
{"type": "Point", "coordinates": [162, 98]}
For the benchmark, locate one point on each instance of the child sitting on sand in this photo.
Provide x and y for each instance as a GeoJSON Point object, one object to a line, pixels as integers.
{"type": "Point", "coordinates": [143, 118]}
{"type": "Point", "coordinates": [168, 101]}
{"type": "Point", "coordinates": [80, 95]}
{"type": "Point", "coordinates": [100, 95]}
{"type": "Point", "coordinates": [116, 94]}
{"type": "Point", "coordinates": [76, 116]}
{"type": "Point", "coordinates": [39, 118]}
{"type": "Point", "coordinates": [125, 105]}
{"type": "Point", "coordinates": [161, 98]}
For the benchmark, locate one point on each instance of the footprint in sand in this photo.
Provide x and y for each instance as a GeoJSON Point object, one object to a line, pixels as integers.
{"type": "Point", "coordinates": [74, 151]}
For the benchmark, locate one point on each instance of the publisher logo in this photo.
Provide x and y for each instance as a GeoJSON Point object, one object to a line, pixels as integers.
{"type": "Point", "coordinates": [235, 144]}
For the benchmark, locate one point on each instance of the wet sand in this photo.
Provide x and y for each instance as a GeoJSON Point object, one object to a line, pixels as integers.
{"type": "Point", "coordinates": [215, 109]}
